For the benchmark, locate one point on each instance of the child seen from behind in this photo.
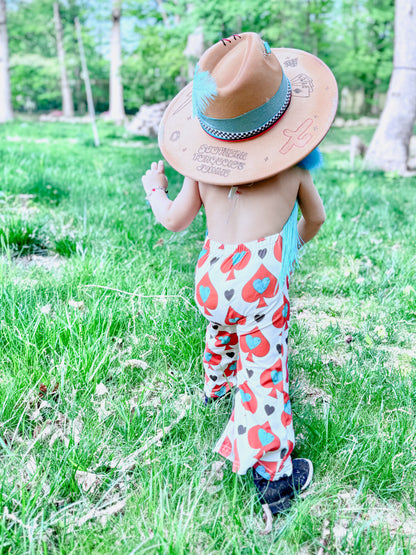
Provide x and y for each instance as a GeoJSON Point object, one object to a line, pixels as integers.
{"type": "Point", "coordinates": [240, 134]}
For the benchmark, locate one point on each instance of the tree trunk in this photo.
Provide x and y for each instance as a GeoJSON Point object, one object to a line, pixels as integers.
{"type": "Point", "coordinates": [6, 111]}
{"type": "Point", "coordinates": [67, 102]}
{"type": "Point", "coordinates": [90, 100]}
{"type": "Point", "coordinates": [78, 93]}
{"type": "Point", "coordinates": [389, 148]}
{"type": "Point", "coordinates": [116, 86]}
{"type": "Point", "coordinates": [193, 51]}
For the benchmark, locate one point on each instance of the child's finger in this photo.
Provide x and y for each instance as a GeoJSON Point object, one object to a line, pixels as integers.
{"type": "Point", "coordinates": [154, 166]}
{"type": "Point", "coordinates": [161, 167]}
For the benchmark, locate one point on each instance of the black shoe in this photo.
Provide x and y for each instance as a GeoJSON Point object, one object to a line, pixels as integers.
{"type": "Point", "coordinates": [278, 495]}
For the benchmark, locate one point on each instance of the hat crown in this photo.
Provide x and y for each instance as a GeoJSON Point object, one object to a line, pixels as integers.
{"type": "Point", "coordinates": [245, 74]}
{"type": "Point", "coordinates": [223, 129]}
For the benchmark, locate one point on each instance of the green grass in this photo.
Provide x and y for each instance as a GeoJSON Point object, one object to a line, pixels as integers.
{"type": "Point", "coordinates": [100, 290]}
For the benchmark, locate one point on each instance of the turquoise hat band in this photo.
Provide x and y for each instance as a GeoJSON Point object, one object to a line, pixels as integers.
{"type": "Point", "coordinates": [251, 123]}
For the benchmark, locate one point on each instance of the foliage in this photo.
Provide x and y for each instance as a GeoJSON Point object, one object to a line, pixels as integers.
{"type": "Point", "coordinates": [34, 66]}
{"type": "Point", "coordinates": [362, 45]}
{"type": "Point", "coordinates": [354, 37]}
{"type": "Point", "coordinates": [153, 71]}
{"type": "Point", "coordinates": [36, 82]}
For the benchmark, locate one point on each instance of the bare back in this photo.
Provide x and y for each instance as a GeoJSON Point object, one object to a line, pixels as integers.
{"type": "Point", "coordinates": [254, 211]}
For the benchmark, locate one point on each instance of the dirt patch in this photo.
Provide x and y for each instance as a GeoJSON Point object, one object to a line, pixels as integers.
{"type": "Point", "coordinates": [26, 205]}
{"type": "Point", "coordinates": [42, 140]}
{"type": "Point", "coordinates": [36, 261]}
{"type": "Point", "coordinates": [132, 144]}
{"type": "Point", "coordinates": [305, 309]}
{"type": "Point", "coordinates": [374, 514]}
{"type": "Point", "coordinates": [401, 359]}
{"type": "Point", "coordinates": [311, 394]}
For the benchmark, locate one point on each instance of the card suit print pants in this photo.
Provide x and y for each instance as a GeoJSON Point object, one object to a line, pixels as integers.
{"type": "Point", "coordinates": [238, 291]}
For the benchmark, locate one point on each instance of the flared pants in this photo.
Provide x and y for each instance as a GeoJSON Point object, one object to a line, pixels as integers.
{"type": "Point", "coordinates": [238, 290]}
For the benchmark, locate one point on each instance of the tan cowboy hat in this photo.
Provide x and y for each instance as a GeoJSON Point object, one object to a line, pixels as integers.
{"type": "Point", "coordinates": [251, 112]}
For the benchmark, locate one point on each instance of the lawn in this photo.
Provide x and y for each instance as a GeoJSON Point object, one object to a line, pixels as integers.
{"type": "Point", "coordinates": [105, 444]}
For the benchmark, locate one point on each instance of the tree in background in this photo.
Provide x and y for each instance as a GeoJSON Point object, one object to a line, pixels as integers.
{"type": "Point", "coordinates": [67, 102]}
{"type": "Point", "coordinates": [34, 66]}
{"type": "Point", "coordinates": [153, 72]}
{"type": "Point", "coordinates": [33, 63]}
{"type": "Point", "coordinates": [361, 46]}
{"type": "Point", "coordinates": [354, 37]}
{"type": "Point", "coordinates": [116, 85]}
{"type": "Point", "coordinates": [6, 111]}
{"type": "Point", "coordinates": [389, 148]}
{"type": "Point", "coordinates": [157, 67]}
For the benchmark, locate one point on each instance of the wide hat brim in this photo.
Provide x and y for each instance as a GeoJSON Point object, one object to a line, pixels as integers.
{"type": "Point", "coordinates": [195, 154]}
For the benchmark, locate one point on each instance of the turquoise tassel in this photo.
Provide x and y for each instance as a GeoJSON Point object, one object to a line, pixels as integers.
{"type": "Point", "coordinates": [312, 161]}
{"type": "Point", "coordinates": [204, 90]}
{"type": "Point", "coordinates": [291, 244]}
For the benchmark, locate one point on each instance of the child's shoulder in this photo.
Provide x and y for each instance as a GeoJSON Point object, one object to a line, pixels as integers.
{"type": "Point", "coordinates": [294, 172]}
{"type": "Point", "coordinates": [290, 178]}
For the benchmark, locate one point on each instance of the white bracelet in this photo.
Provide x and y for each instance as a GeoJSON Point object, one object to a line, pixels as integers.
{"type": "Point", "coordinates": [156, 189]}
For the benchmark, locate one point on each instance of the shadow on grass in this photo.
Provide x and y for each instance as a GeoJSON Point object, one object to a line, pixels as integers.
{"type": "Point", "coordinates": [46, 190]}
{"type": "Point", "coordinates": [21, 238]}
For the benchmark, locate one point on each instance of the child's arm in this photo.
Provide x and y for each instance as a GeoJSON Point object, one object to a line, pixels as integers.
{"type": "Point", "coordinates": [174, 215]}
{"type": "Point", "coordinates": [310, 204]}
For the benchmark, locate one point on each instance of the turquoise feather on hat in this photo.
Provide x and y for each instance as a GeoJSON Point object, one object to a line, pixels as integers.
{"type": "Point", "coordinates": [204, 90]}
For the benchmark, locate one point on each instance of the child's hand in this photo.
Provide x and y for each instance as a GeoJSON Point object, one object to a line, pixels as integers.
{"type": "Point", "coordinates": [155, 178]}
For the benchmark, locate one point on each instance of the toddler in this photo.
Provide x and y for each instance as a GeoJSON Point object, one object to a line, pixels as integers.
{"type": "Point", "coordinates": [241, 134]}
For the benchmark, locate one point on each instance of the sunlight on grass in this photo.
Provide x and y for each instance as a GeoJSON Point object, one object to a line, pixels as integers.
{"type": "Point", "coordinates": [97, 349]}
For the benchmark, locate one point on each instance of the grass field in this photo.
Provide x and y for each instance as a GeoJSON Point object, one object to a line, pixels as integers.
{"type": "Point", "coordinates": [105, 445]}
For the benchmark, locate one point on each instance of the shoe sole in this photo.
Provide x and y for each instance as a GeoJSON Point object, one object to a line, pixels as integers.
{"type": "Point", "coordinates": [285, 503]}
{"type": "Point", "coordinates": [310, 475]}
